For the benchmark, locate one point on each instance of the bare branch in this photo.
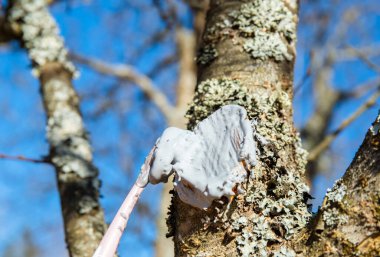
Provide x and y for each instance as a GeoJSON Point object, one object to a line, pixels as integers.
{"type": "Point", "coordinates": [187, 74]}
{"type": "Point", "coordinates": [326, 97]}
{"type": "Point", "coordinates": [185, 40]}
{"type": "Point", "coordinates": [366, 60]}
{"type": "Point", "coordinates": [347, 222]}
{"type": "Point", "coordinates": [25, 159]}
{"type": "Point", "coordinates": [162, 64]}
{"type": "Point", "coordinates": [303, 80]}
{"type": "Point", "coordinates": [314, 153]}
{"type": "Point", "coordinates": [126, 72]}
{"type": "Point", "coordinates": [361, 89]}
{"type": "Point", "coordinates": [168, 16]}
{"type": "Point", "coordinates": [6, 33]}
{"type": "Point", "coordinates": [348, 54]}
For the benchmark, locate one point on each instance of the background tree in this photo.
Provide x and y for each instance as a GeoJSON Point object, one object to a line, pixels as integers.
{"type": "Point", "coordinates": [337, 52]}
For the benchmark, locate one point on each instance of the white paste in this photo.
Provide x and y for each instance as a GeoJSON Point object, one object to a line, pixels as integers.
{"type": "Point", "coordinates": [209, 162]}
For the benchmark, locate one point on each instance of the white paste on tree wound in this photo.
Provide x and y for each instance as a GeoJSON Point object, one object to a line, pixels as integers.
{"type": "Point", "coordinates": [210, 162]}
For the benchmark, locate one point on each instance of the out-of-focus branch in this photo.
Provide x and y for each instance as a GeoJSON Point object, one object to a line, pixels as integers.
{"type": "Point", "coordinates": [128, 73]}
{"type": "Point", "coordinates": [199, 8]}
{"type": "Point", "coordinates": [348, 53]}
{"type": "Point", "coordinates": [303, 80]}
{"type": "Point", "coordinates": [326, 98]}
{"type": "Point", "coordinates": [70, 150]}
{"type": "Point", "coordinates": [162, 64]}
{"type": "Point", "coordinates": [6, 33]}
{"type": "Point", "coordinates": [185, 90]}
{"type": "Point", "coordinates": [348, 221]}
{"type": "Point", "coordinates": [168, 16]}
{"type": "Point", "coordinates": [366, 60]}
{"type": "Point", "coordinates": [361, 89]}
{"type": "Point", "coordinates": [187, 76]}
{"type": "Point", "coordinates": [316, 151]}
{"type": "Point", "coordinates": [25, 159]}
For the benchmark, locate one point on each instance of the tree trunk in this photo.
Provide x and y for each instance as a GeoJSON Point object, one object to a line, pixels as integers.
{"type": "Point", "coordinates": [348, 223]}
{"type": "Point", "coordinates": [247, 58]}
{"type": "Point", "coordinates": [70, 150]}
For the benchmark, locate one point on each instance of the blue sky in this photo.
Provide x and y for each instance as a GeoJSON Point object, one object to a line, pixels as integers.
{"type": "Point", "coordinates": [116, 31]}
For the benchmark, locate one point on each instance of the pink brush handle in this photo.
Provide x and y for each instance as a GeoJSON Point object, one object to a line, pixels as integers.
{"type": "Point", "coordinates": [110, 241]}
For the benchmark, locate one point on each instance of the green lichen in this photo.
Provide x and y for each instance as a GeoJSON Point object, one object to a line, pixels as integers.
{"type": "Point", "coordinates": [278, 199]}
{"type": "Point", "coordinates": [333, 213]}
{"type": "Point", "coordinates": [283, 252]}
{"type": "Point", "coordinates": [337, 194]}
{"type": "Point", "coordinates": [265, 45]}
{"type": "Point", "coordinates": [254, 243]}
{"type": "Point", "coordinates": [268, 26]}
{"type": "Point", "coordinates": [239, 223]}
{"type": "Point", "coordinates": [215, 93]}
{"type": "Point", "coordinates": [281, 200]}
{"type": "Point", "coordinates": [267, 29]}
{"type": "Point", "coordinates": [375, 128]}
{"type": "Point", "coordinates": [265, 15]}
{"type": "Point", "coordinates": [333, 217]}
{"type": "Point", "coordinates": [40, 34]}
{"type": "Point", "coordinates": [207, 54]}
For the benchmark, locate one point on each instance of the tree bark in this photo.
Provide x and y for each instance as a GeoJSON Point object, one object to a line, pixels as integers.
{"type": "Point", "coordinates": [70, 150]}
{"type": "Point", "coordinates": [348, 223]}
{"type": "Point", "coordinates": [70, 153]}
{"type": "Point", "coordinates": [247, 58]}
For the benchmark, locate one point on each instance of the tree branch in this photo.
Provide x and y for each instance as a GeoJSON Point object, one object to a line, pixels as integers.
{"type": "Point", "coordinates": [365, 59]}
{"type": "Point", "coordinates": [25, 159]}
{"type": "Point", "coordinates": [128, 73]}
{"type": "Point", "coordinates": [317, 150]}
{"type": "Point", "coordinates": [348, 222]}
{"type": "Point", "coordinates": [349, 54]}
{"type": "Point", "coordinates": [6, 33]}
{"type": "Point", "coordinates": [326, 97]}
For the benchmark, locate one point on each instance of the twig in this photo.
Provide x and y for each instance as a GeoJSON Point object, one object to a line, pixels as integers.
{"type": "Point", "coordinates": [126, 72]}
{"type": "Point", "coordinates": [169, 16]}
{"type": "Point", "coordinates": [163, 64]}
{"type": "Point", "coordinates": [373, 66]}
{"type": "Point", "coordinates": [349, 54]}
{"type": "Point", "coordinates": [22, 158]}
{"type": "Point", "coordinates": [360, 90]}
{"type": "Point", "coordinates": [314, 153]}
{"type": "Point", "coordinates": [303, 79]}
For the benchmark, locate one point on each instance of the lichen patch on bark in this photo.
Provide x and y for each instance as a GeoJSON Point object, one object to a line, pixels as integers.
{"type": "Point", "coordinates": [274, 207]}
{"type": "Point", "coordinates": [40, 34]}
{"type": "Point", "coordinates": [265, 29]}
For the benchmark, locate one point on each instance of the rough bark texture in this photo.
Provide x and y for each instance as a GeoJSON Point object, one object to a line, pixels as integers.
{"type": "Point", "coordinates": [70, 150]}
{"type": "Point", "coordinates": [71, 155]}
{"type": "Point", "coordinates": [247, 58]}
{"type": "Point", "coordinates": [348, 223]}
